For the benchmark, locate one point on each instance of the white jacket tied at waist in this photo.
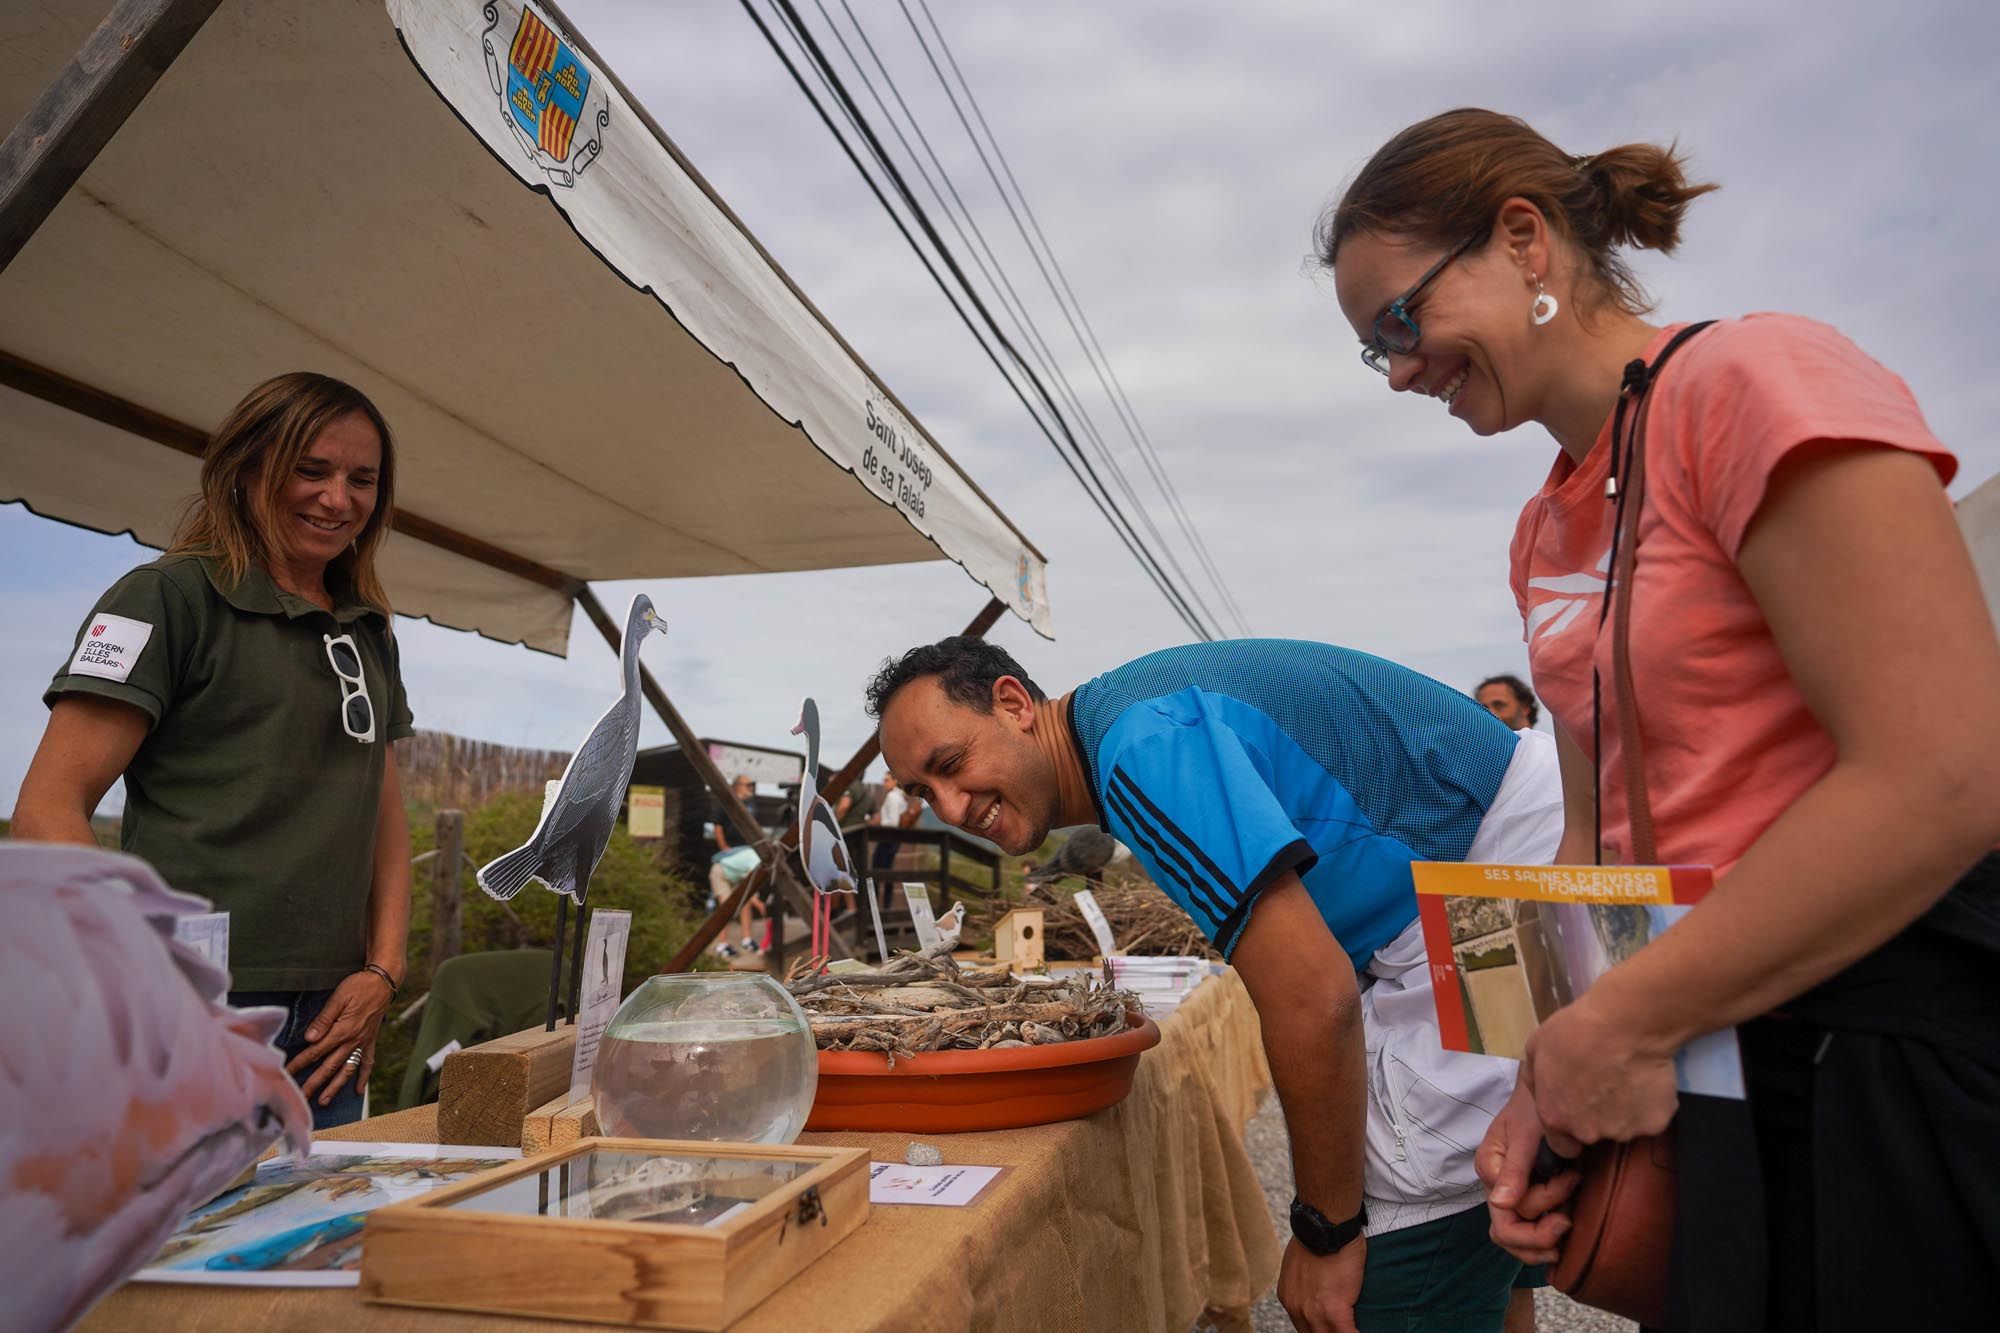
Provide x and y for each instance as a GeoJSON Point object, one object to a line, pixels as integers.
{"type": "Point", "coordinates": [1429, 1107]}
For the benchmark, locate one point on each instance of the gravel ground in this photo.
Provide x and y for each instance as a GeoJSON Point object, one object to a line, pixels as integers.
{"type": "Point", "coordinates": [1272, 1156]}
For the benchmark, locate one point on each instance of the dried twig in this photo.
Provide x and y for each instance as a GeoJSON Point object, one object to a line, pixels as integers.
{"type": "Point", "coordinates": [1144, 919]}
{"type": "Point", "coordinates": [927, 1002]}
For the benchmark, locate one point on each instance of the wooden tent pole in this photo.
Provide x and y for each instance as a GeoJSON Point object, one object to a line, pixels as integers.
{"type": "Point", "coordinates": [69, 124]}
{"type": "Point", "coordinates": [706, 932]}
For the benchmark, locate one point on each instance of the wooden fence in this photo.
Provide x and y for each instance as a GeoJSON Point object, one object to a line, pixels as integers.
{"type": "Point", "coordinates": [451, 771]}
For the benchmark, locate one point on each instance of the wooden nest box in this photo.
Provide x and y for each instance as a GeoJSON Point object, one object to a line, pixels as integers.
{"type": "Point", "coordinates": [1017, 937]}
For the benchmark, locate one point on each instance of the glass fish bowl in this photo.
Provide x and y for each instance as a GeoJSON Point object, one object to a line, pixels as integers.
{"type": "Point", "coordinates": [721, 1056]}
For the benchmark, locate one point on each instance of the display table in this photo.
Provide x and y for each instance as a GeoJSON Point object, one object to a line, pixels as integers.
{"type": "Point", "coordinates": [1144, 1216]}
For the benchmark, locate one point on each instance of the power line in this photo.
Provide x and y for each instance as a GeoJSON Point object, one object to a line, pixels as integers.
{"type": "Point", "coordinates": [1010, 298]}
{"type": "Point", "coordinates": [1107, 505]}
{"type": "Point", "coordinates": [1100, 497]}
{"type": "Point", "coordinates": [1094, 351]}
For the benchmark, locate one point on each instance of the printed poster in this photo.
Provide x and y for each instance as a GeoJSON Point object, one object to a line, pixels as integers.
{"type": "Point", "coordinates": [298, 1223]}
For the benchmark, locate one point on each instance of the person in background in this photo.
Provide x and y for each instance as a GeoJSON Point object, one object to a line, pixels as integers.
{"type": "Point", "coordinates": [1509, 699]}
{"type": "Point", "coordinates": [732, 862]}
{"type": "Point", "coordinates": [1278, 792]}
{"type": "Point", "coordinates": [1816, 682]}
{"type": "Point", "coordinates": [895, 811]}
{"type": "Point", "coordinates": [857, 805]}
{"type": "Point", "coordinates": [724, 833]}
{"type": "Point", "coordinates": [246, 686]}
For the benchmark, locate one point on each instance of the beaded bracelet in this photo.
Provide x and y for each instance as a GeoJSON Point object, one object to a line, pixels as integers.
{"type": "Point", "coordinates": [383, 973]}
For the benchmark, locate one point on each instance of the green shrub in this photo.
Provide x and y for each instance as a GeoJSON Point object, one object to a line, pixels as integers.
{"type": "Point", "coordinates": [631, 877]}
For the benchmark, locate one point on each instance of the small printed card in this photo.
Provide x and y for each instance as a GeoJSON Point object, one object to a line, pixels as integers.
{"type": "Point", "coordinates": [1509, 945]}
{"type": "Point", "coordinates": [1093, 915]}
{"type": "Point", "coordinates": [207, 933]}
{"type": "Point", "coordinates": [936, 1186]}
{"type": "Point", "coordinates": [603, 988]}
{"type": "Point", "coordinates": [918, 899]}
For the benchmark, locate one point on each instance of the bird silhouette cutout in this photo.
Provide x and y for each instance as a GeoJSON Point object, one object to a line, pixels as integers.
{"type": "Point", "coordinates": [129, 1091]}
{"type": "Point", "coordinates": [578, 817]}
{"type": "Point", "coordinates": [822, 850]}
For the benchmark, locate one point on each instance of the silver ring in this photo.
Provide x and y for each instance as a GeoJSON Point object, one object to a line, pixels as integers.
{"type": "Point", "coordinates": [354, 1058]}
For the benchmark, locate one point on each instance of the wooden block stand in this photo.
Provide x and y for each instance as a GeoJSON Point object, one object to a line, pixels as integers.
{"type": "Point", "coordinates": [487, 1092]}
{"type": "Point", "coordinates": [558, 1124]}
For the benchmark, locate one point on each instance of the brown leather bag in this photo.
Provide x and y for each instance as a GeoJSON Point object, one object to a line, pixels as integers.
{"type": "Point", "coordinates": [1621, 1231]}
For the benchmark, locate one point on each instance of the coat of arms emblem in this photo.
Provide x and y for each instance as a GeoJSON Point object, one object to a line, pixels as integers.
{"type": "Point", "coordinates": [546, 93]}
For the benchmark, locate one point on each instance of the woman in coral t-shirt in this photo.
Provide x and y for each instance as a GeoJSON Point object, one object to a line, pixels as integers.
{"type": "Point", "coordinates": [1817, 686]}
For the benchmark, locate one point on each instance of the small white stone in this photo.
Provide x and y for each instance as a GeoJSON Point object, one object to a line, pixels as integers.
{"type": "Point", "coordinates": [922, 1154]}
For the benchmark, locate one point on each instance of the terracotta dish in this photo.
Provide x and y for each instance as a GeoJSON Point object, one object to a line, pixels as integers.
{"type": "Point", "coordinates": [952, 1092]}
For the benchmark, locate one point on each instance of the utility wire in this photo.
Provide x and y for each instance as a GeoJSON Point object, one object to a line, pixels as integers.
{"type": "Point", "coordinates": [1010, 298]}
{"type": "Point", "coordinates": [1094, 351]}
{"type": "Point", "coordinates": [995, 274]}
{"type": "Point", "coordinates": [1075, 455]}
{"type": "Point", "coordinates": [1106, 504]}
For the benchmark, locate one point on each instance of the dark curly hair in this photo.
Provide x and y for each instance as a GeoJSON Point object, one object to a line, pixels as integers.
{"type": "Point", "coordinates": [966, 668]}
{"type": "Point", "coordinates": [1522, 694]}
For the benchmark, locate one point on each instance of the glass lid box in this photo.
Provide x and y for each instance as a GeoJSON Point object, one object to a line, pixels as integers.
{"type": "Point", "coordinates": [652, 1233]}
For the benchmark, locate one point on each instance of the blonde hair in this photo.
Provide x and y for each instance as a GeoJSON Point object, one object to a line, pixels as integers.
{"type": "Point", "coordinates": [260, 443]}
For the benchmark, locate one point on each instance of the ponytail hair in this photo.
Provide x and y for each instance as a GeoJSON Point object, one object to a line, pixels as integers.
{"type": "Point", "coordinates": [1442, 181]}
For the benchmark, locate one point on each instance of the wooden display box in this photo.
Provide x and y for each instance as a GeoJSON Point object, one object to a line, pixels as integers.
{"type": "Point", "coordinates": [575, 1233]}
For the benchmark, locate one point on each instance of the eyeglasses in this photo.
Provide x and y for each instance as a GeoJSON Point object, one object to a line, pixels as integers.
{"type": "Point", "coordinates": [1395, 332]}
{"type": "Point", "coordinates": [357, 712]}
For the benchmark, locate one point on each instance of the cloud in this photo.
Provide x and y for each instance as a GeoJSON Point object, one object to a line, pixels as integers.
{"type": "Point", "coordinates": [1177, 155]}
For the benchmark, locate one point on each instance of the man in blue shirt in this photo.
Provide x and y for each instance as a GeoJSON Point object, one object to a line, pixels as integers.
{"type": "Point", "coordinates": [1279, 792]}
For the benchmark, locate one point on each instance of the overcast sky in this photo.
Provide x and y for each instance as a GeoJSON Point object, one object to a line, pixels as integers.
{"type": "Point", "coordinates": [1177, 155]}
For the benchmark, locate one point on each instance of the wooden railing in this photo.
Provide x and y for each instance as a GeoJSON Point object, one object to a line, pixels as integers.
{"type": "Point", "coordinates": [944, 882]}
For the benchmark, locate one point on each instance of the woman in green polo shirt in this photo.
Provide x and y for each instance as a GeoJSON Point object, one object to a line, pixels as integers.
{"type": "Point", "coordinates": [246, 685]}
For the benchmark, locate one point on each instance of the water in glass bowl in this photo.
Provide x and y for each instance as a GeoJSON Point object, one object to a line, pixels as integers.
{"type": "Point", "coordinates": [726, 1059]}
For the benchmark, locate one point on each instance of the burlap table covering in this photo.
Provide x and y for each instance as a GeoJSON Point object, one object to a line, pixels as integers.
{"type": "Point", "coordinates": [1145, 1216]}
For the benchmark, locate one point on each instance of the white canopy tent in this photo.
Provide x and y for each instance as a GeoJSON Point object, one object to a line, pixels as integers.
{"type": "Point", "coordinates": [593, 370]}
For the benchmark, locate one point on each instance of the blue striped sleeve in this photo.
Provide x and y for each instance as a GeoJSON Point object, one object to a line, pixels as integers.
{"type": "Point", "coordinates": [1194, 809]}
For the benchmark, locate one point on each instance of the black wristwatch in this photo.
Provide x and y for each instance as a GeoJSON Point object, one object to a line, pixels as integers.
{"type": "Point", "coordinates": [1320, 1236]}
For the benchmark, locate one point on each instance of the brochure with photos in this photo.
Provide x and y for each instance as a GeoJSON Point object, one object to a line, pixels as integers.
{"type": "Point", "coordinates": [1509, 945]}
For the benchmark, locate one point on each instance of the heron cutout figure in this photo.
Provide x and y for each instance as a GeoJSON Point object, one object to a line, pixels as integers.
{"type": "Point", "coordinates": [582, 808]}
{"type": "Point", "coordinates": [822, 850]}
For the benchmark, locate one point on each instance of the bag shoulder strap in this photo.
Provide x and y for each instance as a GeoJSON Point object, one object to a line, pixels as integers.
{"type": "Point", "coordinates": [1631, 495]}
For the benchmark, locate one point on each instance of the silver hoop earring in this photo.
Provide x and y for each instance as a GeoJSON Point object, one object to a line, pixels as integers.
{"type": "Point", "coordinates": [1545, 306]}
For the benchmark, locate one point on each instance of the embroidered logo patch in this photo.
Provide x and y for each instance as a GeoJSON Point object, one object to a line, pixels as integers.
{"type": "Point", "coordinates": [110, 647]}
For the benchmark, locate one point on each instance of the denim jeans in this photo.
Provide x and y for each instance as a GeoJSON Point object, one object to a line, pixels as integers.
{"type": "Point", "coordinates": [301, 1007]}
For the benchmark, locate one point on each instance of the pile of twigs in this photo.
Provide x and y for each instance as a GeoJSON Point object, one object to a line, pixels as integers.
{"type": "Point", "coordinates": [1143, 920]}
{"type": "Point", "coordinates": [926, 1002]}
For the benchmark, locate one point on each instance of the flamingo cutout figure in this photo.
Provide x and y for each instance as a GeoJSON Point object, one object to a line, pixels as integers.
{"type": "Point", "coordinates": [129, 1092]}
{"type": "Point", "coordinates": [822, 849]}
{"type": "Point", "coordinates": [578, 818]}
